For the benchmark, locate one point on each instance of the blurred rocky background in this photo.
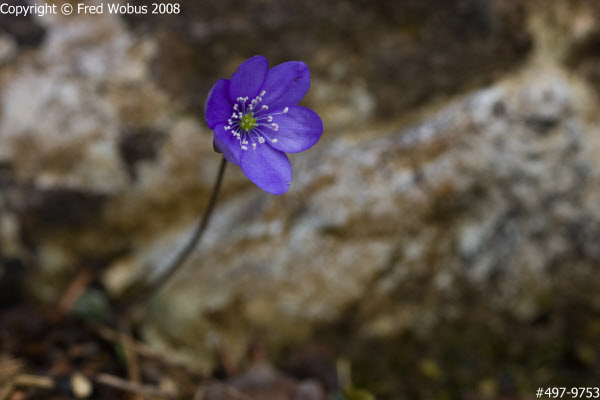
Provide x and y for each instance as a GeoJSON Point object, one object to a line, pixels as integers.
{"type": "Point", "coordinates": [443, 237]}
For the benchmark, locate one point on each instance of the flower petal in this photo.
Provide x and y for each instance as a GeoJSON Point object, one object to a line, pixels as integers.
{"type": "Point", "coordinates": [268, 168]}
{"type": "Point", "coordinates": [248, 79]}
{"type": "Point", "coordinates": [286, 84]}
{"type": "Point", "coordinates": [218, 106]}
{"type": "Point", "coordinates": [299, 129]}
{"type": "Point", "coordinates": [228, 144]}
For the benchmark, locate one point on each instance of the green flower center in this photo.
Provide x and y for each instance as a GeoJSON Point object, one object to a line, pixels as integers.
{"type": "Point", "coordinates": [248, 122]}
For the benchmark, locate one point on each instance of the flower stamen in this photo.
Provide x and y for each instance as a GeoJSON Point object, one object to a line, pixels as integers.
{"type": "Point", "coordinates": [246, 121]}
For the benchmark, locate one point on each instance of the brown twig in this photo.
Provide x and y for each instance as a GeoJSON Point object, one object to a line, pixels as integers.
{"type": "Point", "coordinates": [131, 359]}
{"type": "Point", "coordinates": [34, 381]}
{"type": "Point", "coordinates": [9, 367]}
{"type": "Point", "coordinates": [77, 286]}
{"type": "Point", "coordinates": [139, 348]}
{"type": "Point", "coordinates": [136, 388]}
{"type": "Point", "coordinates": [26, 381]}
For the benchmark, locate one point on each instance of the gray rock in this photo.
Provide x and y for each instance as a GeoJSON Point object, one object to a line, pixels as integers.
{"type": "Point", "coordinates": [479, 192]}
{"type": "Point", "coordinates": [8, 49]}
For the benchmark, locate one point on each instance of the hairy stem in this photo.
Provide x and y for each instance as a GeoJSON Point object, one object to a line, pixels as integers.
{"type": "Point", "coordinates": [142, 295]}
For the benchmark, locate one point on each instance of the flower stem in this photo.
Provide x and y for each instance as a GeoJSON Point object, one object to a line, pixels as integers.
{"type": "Point", "coordinates": [143, 294]}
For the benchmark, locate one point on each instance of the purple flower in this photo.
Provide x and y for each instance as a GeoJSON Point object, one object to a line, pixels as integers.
{"type": "Point", "coordinates": [256, 120]}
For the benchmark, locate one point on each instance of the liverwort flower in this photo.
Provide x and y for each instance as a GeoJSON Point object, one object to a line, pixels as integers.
{"type": "Point", "coordinates": [256, 120]}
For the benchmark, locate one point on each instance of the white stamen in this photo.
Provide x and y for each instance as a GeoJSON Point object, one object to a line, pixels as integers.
{"type": "Point", "coordinates": [244, 122]}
